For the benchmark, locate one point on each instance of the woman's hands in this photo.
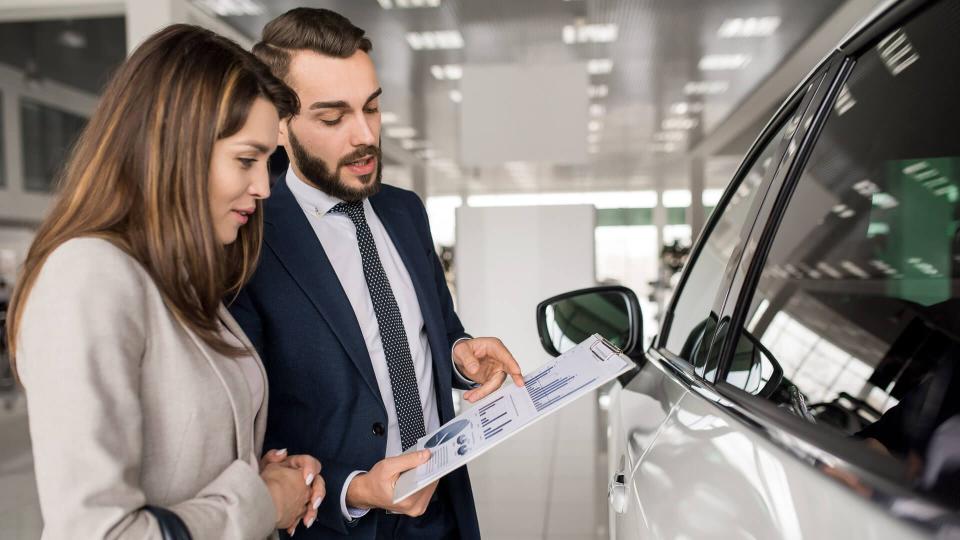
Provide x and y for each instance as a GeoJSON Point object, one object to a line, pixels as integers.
{"type": "Point", "coordinates": [296, 487]}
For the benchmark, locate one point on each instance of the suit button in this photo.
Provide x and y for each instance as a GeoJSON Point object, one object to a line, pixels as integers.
{"type": "Point", "coordinates": [378, 429]}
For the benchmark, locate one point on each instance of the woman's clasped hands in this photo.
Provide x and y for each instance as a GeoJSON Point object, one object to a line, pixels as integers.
{"type": "Point", "coordinates": [295, 484]}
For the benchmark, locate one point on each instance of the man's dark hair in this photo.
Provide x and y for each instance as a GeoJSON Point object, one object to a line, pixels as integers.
{"type": "Point", "coordinates": [313, 29]}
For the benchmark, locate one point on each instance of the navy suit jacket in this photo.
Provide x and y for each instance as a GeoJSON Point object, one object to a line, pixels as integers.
{"type": "Point", "coordinates": [324, 398]}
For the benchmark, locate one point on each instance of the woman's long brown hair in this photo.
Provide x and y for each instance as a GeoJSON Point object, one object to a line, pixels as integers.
{"type": "Point", "coordinates": [138, 174]}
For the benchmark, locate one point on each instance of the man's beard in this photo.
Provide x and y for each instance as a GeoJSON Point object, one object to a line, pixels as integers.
{"type": "Point", "coordinates": [316, 172]}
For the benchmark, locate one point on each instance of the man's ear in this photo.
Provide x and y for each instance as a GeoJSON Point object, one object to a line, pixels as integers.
{"type": "Point", "coordinates": [282, 135]}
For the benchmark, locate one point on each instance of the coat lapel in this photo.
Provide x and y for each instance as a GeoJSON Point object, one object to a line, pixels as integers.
{"type": "Point", "coordinates": [289, 235]}
{"type": "Point", "coordinates": [260, 419]}
{"type": "Point", "coordinates": [404, 235]}
{"type": "Point", "coordinates": [237, 392]}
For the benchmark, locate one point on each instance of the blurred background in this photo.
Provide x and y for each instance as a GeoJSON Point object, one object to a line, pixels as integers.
{"type": "Point", "coordinates": [557, 144]}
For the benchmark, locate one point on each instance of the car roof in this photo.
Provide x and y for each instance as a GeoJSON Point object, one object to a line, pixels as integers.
{"type": "Point", "coordinates": [886, 15]}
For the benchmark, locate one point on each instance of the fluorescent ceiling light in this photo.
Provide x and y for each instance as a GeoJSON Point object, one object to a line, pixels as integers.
{"type": "Point", "coordinates": [387, 117]}
{"type": "Point", "coordinates": [407, 4]}
{"type": "Point", "coordinates": [589, 33]}
{"type": "Point", "coordinates": [408, 144]}
{"type": "Point", "coordinates": [897, 52]}
{"type": "Point", "coordinates": [683, 107]}
{"type": "Point", "coordinates": [600, 199]}
{"type": "Point", "coordinates": [845, 101]}
{"type": "Point", "coordinates": [599, 66]}
{"type": "Point", "coordinates": [670, 136]}
{"type": "Point", "coordinates": [597, 109]}
{"type": "Point", "coordinates": [663, 147]}
{"type": "Point", "coordinates": [721, 62]}
{"type": "Point", "coordinates": [593, 138]}
{"type": "Point", "coordinates": [456, 96]}
{"type": "Point", "coordinates": [232, 8]}
{"type": "Point", "coordinates": [439, 40]}
{"type": "Point", "coordinates": [749, 27]}
{"type": "Point", "coordinates": [72, 39]}
{"type": "Point", "coordinates": [678, 122]}
{"type": "Point", "coordinates": [452, 72]}
{"type": "Point", "coordinates": [594, 125]}
{"type": "Point", "coordinates": [598, 90]}
{"type": "Point", "coordinates": [401, 132]}
{"type": "Point", "coordinates": [854, 269]}
{"type": "Point", "coordinates": [705, 88]}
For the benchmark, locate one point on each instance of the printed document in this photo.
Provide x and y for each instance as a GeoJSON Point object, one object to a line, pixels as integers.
{"type": "Point", "coordinates": [507, 411]}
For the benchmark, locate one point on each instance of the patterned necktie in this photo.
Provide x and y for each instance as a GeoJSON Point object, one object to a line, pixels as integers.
{"type": "Point", "coordinates": [403, 378]}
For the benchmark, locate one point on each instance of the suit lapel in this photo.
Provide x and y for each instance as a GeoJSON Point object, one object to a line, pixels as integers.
{"type": "Point", "coordinates": [404, 235]}
{"type": "Point", "coordinates": [289, 235]}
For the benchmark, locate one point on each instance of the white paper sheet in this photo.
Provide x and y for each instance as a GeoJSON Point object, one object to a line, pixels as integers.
{"type": "Point", "coordinates": [495, 418]}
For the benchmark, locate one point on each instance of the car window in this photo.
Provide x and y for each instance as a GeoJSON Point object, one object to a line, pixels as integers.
{"type": "Point", "coordinates": [694, 315]}
{"type": "Point", "coordinates": [855, 321]}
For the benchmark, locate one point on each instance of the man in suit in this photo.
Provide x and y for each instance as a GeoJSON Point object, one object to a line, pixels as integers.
{"type": "Point", "coordinates": [349, 307]}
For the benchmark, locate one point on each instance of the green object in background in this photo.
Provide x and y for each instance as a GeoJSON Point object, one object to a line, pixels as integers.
{"type": "Point", "coordinates": [623, 217]}
{"type": "Point", "coordinates": [919, 228]}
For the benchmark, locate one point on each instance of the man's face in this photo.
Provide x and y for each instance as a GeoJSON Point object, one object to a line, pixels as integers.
{"type": "Point", "coordinates": [334, 143]}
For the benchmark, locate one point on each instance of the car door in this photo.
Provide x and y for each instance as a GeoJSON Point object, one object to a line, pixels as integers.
{"type": "Point", "coordinates": [826, 403]}
{"type": "Point", "coordinates": [644, 406]}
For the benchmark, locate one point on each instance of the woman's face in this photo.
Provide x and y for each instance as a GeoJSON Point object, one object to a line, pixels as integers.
{"type": "Point", "coordinates": [238, 170]}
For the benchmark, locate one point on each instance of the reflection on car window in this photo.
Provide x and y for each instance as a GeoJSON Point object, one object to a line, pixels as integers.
{"type": "Point", "coordinates": [690, 329]}
{"type": "Point", "coordinates": [859, 299]}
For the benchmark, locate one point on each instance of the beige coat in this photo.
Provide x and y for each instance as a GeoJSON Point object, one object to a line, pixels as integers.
{"type": "Point", "coordinates": [127, 407]}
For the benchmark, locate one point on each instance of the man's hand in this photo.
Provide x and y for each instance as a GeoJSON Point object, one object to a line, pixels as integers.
{"type": "Point", "coordinates": [487, 361]}
{"type": "Point", "coordinates": [374, 489]}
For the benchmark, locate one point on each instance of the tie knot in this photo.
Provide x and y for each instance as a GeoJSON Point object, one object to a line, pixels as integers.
{"type": "Point", "coordinates": [353, 210]}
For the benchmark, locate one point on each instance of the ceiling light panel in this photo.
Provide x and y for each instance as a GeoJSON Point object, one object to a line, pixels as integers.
{"type": "Point", "coordinates": [451, 72]}
{"type": "Point", "coordinates": [599, 66]}
{"type": "Point", "coordinates": [678, 123]}
{"type": "Point", "coordinates": [401, 132]}
{"type": "Point", "coordinates": [749, 27]}
{"type": "Point", "coordinates": [683, 107]}
{"type": "Point", "coordinates": [705, 88]}
{"type": "Point", "coordinates": [590, 33]}
{"type": "Point", "coordinates": [439, 40]}
{"type": "Point", "coordinates": [232, 8]}
{"type": "Point", "coordinates": [897, 52]}
{"type": "Point", "coordinates": [387, 118]}
{"type": "Point", "coordinates": [597, 110]}
{"type": "Point", "coordinates": [723, 62]}
{"type": "Point", "coordinates": [408, 4]}
{"type": "Point", "coordinates": [598, 90]}
{"type": "Point", "coordinates": [456, 96]}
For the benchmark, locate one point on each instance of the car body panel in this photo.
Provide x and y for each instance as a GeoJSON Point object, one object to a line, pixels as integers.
{"type": "Point", "coordinates": [702, 473]}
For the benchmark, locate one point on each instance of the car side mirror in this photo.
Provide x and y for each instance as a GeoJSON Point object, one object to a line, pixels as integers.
{"type": "Point", "coordinates": [569, 318]}
{"type": "Point", "coordinates": [753, 367]}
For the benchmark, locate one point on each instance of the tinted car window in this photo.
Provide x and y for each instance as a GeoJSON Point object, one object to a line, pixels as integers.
{"type": "Point", "coordinates": [692, 318]}
{"type": "Point", "coordinates": [859, 300]}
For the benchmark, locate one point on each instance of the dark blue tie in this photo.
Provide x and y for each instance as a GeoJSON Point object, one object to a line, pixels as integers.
{"type": "Point", "coordinates": [403, 378]}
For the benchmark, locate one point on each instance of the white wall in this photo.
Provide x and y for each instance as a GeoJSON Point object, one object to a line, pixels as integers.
{"type": "Point", "coordinates": [511, 258]}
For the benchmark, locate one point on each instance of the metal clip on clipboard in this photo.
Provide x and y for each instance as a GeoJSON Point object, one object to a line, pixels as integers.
{"type": "Point", "coordinates": [603, 349]}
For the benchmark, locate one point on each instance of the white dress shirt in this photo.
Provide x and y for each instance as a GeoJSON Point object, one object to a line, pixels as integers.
{"type": "Point", "coordinates": [338, 236]}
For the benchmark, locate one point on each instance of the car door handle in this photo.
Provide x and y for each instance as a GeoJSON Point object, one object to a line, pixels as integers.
{"type": "Point", "coordinates": [617, 489]}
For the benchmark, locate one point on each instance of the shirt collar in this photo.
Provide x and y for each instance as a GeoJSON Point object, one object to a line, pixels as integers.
{"type": "Point", "coordinates": [311, 199]}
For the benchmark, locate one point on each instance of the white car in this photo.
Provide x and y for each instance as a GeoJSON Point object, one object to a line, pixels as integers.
{"type": "Point", "coordinates": [806, 379]}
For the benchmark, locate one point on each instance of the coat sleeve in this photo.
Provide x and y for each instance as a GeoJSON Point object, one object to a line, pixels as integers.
{"type": "Point", "coordinates": [81, 345]}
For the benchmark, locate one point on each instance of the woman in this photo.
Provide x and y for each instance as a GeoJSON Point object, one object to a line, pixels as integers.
{"type": "Point", "coordinates": [141, 389]}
